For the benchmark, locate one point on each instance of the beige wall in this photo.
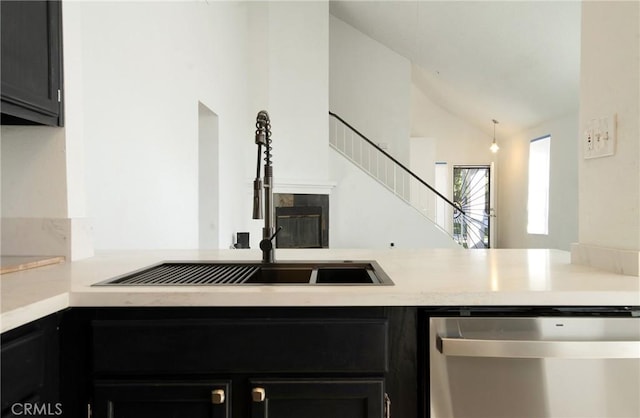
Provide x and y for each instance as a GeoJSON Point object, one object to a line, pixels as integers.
{"type": "Point", "coordinates": [563, 186]}
{"type": "Point", "coordinates": [609, 190]}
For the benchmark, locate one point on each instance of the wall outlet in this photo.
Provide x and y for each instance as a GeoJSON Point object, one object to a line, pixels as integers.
{"type": "Point", "coordinates": [600, 137]}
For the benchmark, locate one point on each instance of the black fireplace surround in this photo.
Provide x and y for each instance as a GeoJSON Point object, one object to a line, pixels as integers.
{"type": "Point", "coordinates": [304, 219]}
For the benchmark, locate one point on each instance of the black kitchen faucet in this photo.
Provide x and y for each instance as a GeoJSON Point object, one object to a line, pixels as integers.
{"type": "Point", "coordinates": [263, 138]}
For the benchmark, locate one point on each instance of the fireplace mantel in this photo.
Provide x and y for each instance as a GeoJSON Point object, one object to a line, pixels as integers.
{"type": "Point", "coordinates": [297, 186]}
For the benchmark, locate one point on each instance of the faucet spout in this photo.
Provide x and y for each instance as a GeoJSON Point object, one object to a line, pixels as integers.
{"type": "Point", "coordinates": [263, 138]}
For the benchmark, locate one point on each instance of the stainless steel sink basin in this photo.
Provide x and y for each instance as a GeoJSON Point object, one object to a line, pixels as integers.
{"type": "Point", "coordinates": [217, 273]}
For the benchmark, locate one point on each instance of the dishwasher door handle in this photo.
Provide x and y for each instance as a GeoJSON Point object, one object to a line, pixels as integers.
{"type": "Point", "coordinates": [464, 347]}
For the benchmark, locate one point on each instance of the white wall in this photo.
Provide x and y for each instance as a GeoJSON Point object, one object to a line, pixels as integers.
{"type": "Point", "coordinates": [422, 162]}
{"type": "Point", "coordinates": [609, 190]}
{"type": "Point", "coordinates": [142, 94]}
{"type": "Point", "coordinates": [423, 158]}
{"type": "Point", "coordinates": [299, 88]}
{"type": "Point", "coordinates": [610, 84]}
{"type": "Point", "coordinates": [290, 79]}
{"type": "Point", "coordinates": [129, 159]}
{"type": "Point", "coordinates": [370, 88]}
{"type": "Point", "coordinates": [563, 186]}
{"type": "Point", "coordinates": [208, 178]}
{"type": "Point", "coordinates": [365, 214]}
{"type": "Point", "coordinates": [35, 209]}
{"type": "Point", "coordinates": [457, 141]}
{"type": "Point", "coordinates": [142, 81]}
{"type": "Point", "coordinates": [34, 183]}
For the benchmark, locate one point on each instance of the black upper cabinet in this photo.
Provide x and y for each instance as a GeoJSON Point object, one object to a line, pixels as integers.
{"type": "Point", "coordinates": [31, 69]}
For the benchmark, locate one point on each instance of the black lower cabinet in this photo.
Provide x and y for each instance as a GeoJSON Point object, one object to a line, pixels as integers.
{"type": "Point", "coordinates": [30, 368]}
{"type": "Point", "coordinates": [295, 398]}
{"type": "Point", "coordinates": [162, 399]}
{"type": "Point", "coordinates": [324, 362]}
{"type": "Point", "coordinates": [279, 363]}
{"type": "Point", "coordinates": [273, 398]}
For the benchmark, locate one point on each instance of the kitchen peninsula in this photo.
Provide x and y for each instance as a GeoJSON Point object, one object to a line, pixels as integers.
{"type": "Point", "coordinates": [430, 277]}
{"type": "Point", "coordinates": [123, 336]}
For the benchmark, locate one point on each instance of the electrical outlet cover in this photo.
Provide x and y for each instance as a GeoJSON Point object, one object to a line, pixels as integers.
{"type": "Point", "coordinates": [600, 137]}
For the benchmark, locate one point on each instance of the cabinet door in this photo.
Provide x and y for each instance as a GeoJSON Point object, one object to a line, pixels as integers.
{"type": "Point", "coordinates": [31, 62]}
{"type": "Point", "coordinates": [162, 399]}
{"type": "Point", "coordinates": [331, 398]}
{"type": "Point", "coordinates": [30, 367]}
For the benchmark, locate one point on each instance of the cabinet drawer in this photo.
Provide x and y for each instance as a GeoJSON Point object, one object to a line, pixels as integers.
{"type": "Point", "coordinates": [240, 345]}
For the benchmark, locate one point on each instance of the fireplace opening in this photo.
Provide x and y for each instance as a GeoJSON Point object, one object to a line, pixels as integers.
{"type": "Point", "coordinates": [304, 219]}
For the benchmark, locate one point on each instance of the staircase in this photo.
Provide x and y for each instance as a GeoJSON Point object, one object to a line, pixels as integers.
{"type": "Point", "coordinates": [448, 216]}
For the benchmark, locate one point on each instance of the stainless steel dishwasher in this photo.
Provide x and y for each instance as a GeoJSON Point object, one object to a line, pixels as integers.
{"type": "Point", "coordinates": [520, 363]}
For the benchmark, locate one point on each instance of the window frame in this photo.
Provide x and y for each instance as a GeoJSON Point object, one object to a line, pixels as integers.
{"type": "Point", "coordinates": [538, 185]}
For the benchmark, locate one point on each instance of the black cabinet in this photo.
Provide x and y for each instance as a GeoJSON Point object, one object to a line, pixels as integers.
{"type": "Point", "coordinates": [31, 62]}
{"type": "Point", "coordinates": [277, 363]}
{"type": "Point", "coordinates": [274, 398]}
{"type": "Point", "coordinates": [317, 398]}
{"type": "Point", "coordinates": [213, 362]}
{"type": "Point", "coordinates": [30, 366]}
{"type": "Point", "coordinates": [162, 399]}
{"type": "Point", "coordinates": [240, 345]}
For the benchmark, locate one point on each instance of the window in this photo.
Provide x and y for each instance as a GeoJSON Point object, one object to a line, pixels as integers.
{"type": "Point", "coordinates": [538, 201]}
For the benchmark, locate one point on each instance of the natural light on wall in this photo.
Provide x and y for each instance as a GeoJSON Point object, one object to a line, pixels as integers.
{"type": "Point", "coordinates": [538, 201]}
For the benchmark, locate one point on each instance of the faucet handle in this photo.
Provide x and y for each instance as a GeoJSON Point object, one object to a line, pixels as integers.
{"type": "Point", "coordinates": [257, 199]}
{"type": "Point", "coordinates": [267, 243]}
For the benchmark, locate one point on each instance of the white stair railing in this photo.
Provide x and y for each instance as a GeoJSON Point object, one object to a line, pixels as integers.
{"type": "Point", "coordinates": [393, 175]}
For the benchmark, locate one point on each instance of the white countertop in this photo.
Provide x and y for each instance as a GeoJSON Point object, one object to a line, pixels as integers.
{"type": "Point", "coordinates": [429, 277]}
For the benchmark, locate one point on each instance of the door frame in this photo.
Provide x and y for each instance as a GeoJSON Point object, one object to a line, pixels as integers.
{"type": "Point", "coordinates": [492, 194]}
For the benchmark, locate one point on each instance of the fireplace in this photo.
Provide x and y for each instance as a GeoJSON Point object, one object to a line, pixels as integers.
{"type": "Point", "coordinates": [304, 219]}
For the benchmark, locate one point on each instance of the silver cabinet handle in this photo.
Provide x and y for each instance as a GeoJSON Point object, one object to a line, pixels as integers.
{"type": "Point", "coordinates": [387, 406]}
{"type": "Point", "coordinates": [258, 395]}
{"type": "Point", "coordinates": [538, 349]}
{"type": "Point", "coordinates": [217, 396]}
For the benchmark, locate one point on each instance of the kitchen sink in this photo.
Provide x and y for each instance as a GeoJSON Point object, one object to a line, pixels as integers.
{"type": "Point", "coordinates": [220, 273]}
{"type": "Point", "coordinates": [280, 274]}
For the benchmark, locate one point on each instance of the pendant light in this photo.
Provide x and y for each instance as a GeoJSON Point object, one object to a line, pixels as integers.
{"type": "Point", "coordinates": [494, 146]}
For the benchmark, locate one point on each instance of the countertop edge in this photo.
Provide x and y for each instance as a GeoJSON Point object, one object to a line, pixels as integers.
{"type": "Point", "coordinates": [13, 319]}
{"type": "Point", "coordinates": [23, 315]}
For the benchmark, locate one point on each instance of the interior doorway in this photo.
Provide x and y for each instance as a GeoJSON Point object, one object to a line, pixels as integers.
{"type": "Point", "coordinates": [473, 199]}
{"type": "Point", "coordinates": [208, 177]}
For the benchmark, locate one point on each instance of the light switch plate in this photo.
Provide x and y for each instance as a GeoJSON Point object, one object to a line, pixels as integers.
{"type": "Point", "coordinates": [600, 137]}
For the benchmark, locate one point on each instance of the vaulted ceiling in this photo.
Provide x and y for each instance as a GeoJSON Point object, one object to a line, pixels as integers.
{"type": "Point", "coordinates": [514, 61]}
